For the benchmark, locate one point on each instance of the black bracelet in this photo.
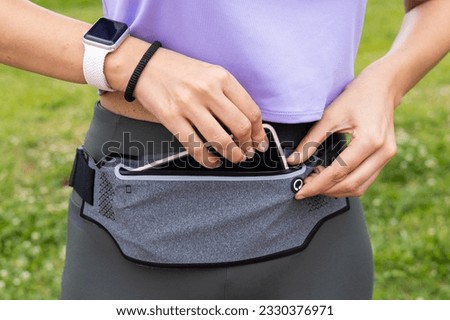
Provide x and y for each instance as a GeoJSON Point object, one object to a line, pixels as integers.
{"type": "Point", "coordinates": [139, 68]}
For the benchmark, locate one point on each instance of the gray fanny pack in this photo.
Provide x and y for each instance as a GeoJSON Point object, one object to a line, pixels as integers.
{"type": "Point", "coordinates": [196, 219]}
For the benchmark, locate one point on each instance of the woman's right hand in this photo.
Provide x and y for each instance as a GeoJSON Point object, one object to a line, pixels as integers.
{"type": "Point", "coordinates": [183, 93]}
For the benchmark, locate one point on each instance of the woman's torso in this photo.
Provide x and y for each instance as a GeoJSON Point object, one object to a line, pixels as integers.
{"type": "Point", "coordinates": [294, 57]}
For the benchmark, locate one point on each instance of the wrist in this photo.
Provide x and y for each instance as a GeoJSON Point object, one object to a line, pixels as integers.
{"type": "Point", "coordinates": [120, 64]}
{"type": "Point", "coordinates": [387, 75]}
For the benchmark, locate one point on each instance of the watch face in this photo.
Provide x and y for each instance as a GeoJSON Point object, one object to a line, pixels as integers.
{"type": "Point", "coordinates": [106, 31]}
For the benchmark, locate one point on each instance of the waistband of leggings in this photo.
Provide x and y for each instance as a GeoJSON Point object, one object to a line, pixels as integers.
{"type": "Point", "coordinates": [109, 131]}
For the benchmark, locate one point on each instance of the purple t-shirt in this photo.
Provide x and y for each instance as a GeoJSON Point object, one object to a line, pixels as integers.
{"type": "Point", "coordinates": [294, 57]}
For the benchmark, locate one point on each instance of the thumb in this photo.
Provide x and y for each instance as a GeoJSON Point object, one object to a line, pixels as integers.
{"type": "Point", "coordinates": [309, 144]}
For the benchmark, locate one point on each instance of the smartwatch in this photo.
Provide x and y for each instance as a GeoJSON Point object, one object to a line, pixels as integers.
{"type": "Point", "coordinates": [104, 37]}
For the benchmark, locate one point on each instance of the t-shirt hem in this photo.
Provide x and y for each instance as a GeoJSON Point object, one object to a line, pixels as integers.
{"type": "Point", "coordinates": [291, 117]}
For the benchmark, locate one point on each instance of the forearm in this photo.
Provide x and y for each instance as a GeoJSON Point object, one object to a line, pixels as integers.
{"type": "Point", "coordinates": [41, 41]}
{"type": "Point", "coordinates": [44, 42]}
{"type": "Point", "coordinates": [423, 40]}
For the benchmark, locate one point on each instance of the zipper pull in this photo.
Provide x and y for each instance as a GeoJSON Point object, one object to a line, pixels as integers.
{"type": "Point", "coordinates": [298, 181]}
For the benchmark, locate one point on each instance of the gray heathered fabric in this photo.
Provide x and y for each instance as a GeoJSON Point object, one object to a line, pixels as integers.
{"type": "Point", "coordinates": [213, 221]}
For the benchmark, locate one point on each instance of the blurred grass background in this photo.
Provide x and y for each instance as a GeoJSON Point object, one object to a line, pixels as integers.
{"type": "Point", "coordinates": [42, 121]}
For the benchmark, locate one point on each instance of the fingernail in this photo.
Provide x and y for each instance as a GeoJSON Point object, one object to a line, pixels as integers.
{"type": "Point", "coordinates": [244, 156]}
{"type": "Point", "coordinates": [250, 152]}
{"type": "Point", "coordinates": [294, 157]}
{"type": "Point", "coordinates": [263, 146]}
{"type": "Point", "coordinates": [217, 164]}
{"type": "Point", "coordinates": [299, 197]}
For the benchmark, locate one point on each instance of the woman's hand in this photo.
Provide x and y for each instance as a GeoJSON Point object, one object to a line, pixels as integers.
{"type": "Point", "coordinates": [365, 111]}
{"type": "Point", "coordinates": [183, 93]}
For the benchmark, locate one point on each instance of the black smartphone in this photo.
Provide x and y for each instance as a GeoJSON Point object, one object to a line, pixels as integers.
{"type": "Point", "coordinates": [273, 160]}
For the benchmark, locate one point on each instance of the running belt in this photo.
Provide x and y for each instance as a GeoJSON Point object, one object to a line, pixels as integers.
{"type": "Point", "coordinates": [163, 218]}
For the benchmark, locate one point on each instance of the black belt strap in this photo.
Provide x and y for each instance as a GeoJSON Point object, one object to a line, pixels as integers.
{"type": "Point", "coordinates": [82, 177]}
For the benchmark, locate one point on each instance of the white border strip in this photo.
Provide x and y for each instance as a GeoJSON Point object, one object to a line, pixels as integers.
{"type": "Point", "coordinates": [196, 177]}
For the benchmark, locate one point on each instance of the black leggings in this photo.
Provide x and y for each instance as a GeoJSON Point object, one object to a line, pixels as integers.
{"type": "Point", "coordinates": [337, 263]}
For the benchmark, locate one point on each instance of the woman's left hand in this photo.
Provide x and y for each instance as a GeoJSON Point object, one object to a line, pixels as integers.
{"type": "Point", "coordinates": [365, 111]}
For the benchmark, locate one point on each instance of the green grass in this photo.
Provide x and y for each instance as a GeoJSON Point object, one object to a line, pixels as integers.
{"type": "Point", "coordinates": [42, 121]}
{"type": "Point", "coordinates": [407, 207]}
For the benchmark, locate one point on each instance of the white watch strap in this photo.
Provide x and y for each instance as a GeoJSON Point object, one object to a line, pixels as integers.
{"type": "Point", "coordinates": [93, 64]}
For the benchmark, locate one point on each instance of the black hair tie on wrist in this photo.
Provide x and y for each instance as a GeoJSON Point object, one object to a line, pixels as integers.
{"type": "Point", "coordinates": [138, 70]}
